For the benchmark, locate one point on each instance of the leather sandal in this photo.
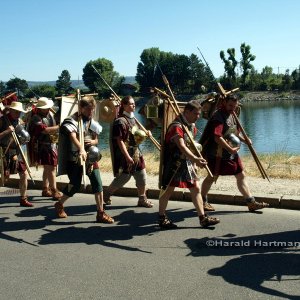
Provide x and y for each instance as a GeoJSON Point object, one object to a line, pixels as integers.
{"type": "Point", "coordinates": [208, 221]}
{"type": "Point", "coordinates": [165, 223]}
{"type": "Point", "coordinates": [24, 202]}
{"type": "Point", "coordinates": [208, 207]}
{"type": "Point", "coordinates": [106, 198]}
{"type": "Point", "coordinates": [254, 205]}
{"type": "Point", "coordinates": [56, 194]}
{"type": "Point", "coordinates": [46, 192]}
{"type": "Point", "coordinates": [103, 217]}
{"type": "Point", "coordinates": [60, 210]}
{"type": "Point", "coordinates": [144, 202]}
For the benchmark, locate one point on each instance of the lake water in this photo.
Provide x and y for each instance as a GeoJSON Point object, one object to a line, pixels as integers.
{"type": "Point", "coordinates": [272, 127]}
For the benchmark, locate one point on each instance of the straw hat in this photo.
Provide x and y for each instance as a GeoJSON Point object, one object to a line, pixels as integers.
{"type": "Point", "coordinates": [44, 103]}
{"type": "Point", "coordinates": [15, 105]}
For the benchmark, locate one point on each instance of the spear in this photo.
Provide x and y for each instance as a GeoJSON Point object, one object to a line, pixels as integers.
{"type": "Point", "coordinates": [153, 140]}
{"type": "Point", "coordinates": [246, 138]}
{"type": "Point", "coordinates": [177, 111]}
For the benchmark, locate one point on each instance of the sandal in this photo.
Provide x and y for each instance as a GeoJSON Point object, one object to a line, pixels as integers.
{"type": "Point", "coordinates": [144, 202]}
{"type": "Point", "coordinates": [106, 198]}
{"type": "Point", "coordinates": [208, 221]}
{"type": "Point", "coordinates": [25, 203]}
{"type": "Point", "coordinates": [165, 223]}
{"type": "Point", "coordinates": [208, 207]}
{"type": "Point", "coordinates": [103, 217]}
{"type": "Point", "coordinates": [254, 205]}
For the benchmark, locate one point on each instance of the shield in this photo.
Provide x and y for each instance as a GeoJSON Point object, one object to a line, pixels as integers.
{"type": "Point", "coordinates": [107, 111]}
{"type": "Point", "coordinates": [69, 106]}
{"type": "Point", "coordinates": [168, 117]}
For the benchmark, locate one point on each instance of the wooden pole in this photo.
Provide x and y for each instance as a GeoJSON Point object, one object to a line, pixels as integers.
{"type": "Point", "coordinates": [81, 139]}
{"type": "Point", "coordinates": [118, 99]}
{"type": "Point", "coordinates": [177, 111]}
{"type": "Point", "coordinates": [256, 159]}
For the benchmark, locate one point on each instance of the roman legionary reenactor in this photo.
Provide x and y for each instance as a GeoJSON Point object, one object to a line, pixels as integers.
{"type": "Point", "coordinates": [13, 162]}
{"type": "Point", "coordinates": [128, 160]}
{"type": "Point", "coordinates": [43, 128]}
{"type": "Point", "coordinates": [79, 154]}
{"type": "Point", "coordinates": [221, 142]}
{"type": "Point", "coordinates": [179, 166]}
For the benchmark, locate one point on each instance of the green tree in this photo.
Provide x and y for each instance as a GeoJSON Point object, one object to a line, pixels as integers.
{"type": "Point", "coordinates": [254, 80]}
{"type": "Point", "coordinates": [148, 75]}
{"type": "Point", "coordinates": [2, 88]}
{"type": "Point", "coordinates": [230, 65]}
{"type": "Point", "coordinates": [17, 84]}
{"type": "Point", "coordinates": [63, 84]}
{"type": "Point", "coordinates": [200, 77]}
{"type": "Point", "coordinates": [245, 62]}
{"type": "Point", "coordinates": [296, 79]}
{"type": "Point", "coordinates": [43, 90]}
{"type": "Point", "coordinates": [266, 78]}
{"type": "Point", "coordinates": [92, 80]}
{"type": "Point", "coordinates": [287, 81]}
{"type": "Point", "coordinates": [181, 73]}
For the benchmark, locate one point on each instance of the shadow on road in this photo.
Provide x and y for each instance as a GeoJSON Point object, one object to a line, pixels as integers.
{"type": "Point", "coordinates": [263, 260]}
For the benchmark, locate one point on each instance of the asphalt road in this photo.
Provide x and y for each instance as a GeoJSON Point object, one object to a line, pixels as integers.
{"type": "Point", "coordinates": [246, 256]}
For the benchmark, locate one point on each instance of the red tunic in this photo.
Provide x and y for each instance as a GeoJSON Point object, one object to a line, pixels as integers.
{"type": "Point", "coordinates": [185, 176]}
{"type": "Point", "coordinates": [217, 126]}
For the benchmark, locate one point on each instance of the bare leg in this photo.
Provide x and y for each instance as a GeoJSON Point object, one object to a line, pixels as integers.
{"type": "Point", "coordinates": [45, 179]}
{"type": "Point", "coordinates": [163, 200]}
{"type": "Point", "coordinates": [197, 199]}
{"type": "Point", "coordinates": [99, 200]}
{"type": "Point", "coordinates": [206, 185]}
{"type": "Point", "coordinates": [141, 190]}
{"type": "Point", "coordinates": [242, 185]}
{"type": "Point", "coordinates": [23, 184]}
{"type": "Point", "coordinates": [50, 176]}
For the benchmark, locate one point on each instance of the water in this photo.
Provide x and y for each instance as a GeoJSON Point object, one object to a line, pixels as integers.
{"type": "Point", "coordinates": [272, 127]}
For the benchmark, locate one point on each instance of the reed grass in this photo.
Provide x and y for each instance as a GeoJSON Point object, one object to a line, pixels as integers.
{"type": "Point", "coordinates": [276, 165]}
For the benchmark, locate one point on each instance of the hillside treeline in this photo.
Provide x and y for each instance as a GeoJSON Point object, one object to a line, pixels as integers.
{"type": "Point", "coordinates": [186, 75]}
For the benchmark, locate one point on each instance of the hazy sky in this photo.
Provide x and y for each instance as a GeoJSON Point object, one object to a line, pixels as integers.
{"type": "Point", "coordinates": [41, 38]}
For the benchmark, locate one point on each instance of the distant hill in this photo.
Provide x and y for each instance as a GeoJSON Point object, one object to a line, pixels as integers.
{"type": "Point", "coordinates": [76, 84]}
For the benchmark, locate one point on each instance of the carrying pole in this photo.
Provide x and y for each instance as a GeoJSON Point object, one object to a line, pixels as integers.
{"type": "Point", "coordinates": [81, 139]}
{"type": "Point", "coordinates": [118, 99]}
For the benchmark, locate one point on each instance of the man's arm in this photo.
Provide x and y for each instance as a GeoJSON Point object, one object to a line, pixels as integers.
{"type": "Point", "coordinates": [179, 141]}
{"type": "Point", "coordinates": [124, 151]}
{"type": "Point", "coordinates": [76, 142]}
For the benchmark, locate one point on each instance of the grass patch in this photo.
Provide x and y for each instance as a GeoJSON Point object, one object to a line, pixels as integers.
{"type": "Point", "coordinates": [276, 165]}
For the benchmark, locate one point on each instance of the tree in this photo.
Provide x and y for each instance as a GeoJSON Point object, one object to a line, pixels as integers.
{"type": "Point", "coordinates": [296, 78]}
{"type": "Point", "coordinates": [63, 84]}
{"type": "Point", "coordinates": [147, 75]}
{"type": "Point", "coordinates": [43, 90]}
{"type": "Point", "coordinates": [287, 81]}
{"type": "Point", "coordinates": [245, 62]}
{"type": "Point", "coordinates": [2, 88]}
{"type": "Point", "coordinates": [230, 66]}
{"type": "Point", "coordinates": [106, 69]}
{"type": "Point", "coordinates": [181, 73]}
{"type": "Point", "coordinates": [18, 85]}
{"type": "Point", "coordinates": [254, 80]}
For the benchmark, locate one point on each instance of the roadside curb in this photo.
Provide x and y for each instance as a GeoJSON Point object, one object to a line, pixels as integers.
{"type": "Point", "coordinates": [216, 197]}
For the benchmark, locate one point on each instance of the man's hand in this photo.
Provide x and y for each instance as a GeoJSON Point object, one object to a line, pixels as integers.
{"type": "Point", "coordinates": [90, 142]}
{"type": "Point", "coordinates": [234, 150]}
{"type": "Point", "coordinates": [83, 154]}
{"type": "Point", "coordinates": [200, 162]}
{"type": "Point", "coordinates": [10, 129]}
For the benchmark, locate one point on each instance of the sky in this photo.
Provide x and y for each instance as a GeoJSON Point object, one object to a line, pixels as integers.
{"type": "Point", "coordinates": [41, 38]}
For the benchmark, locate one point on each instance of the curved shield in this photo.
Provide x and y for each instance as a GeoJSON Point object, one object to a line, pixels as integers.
{"type": "Point", "coordinates": [107, 111]}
